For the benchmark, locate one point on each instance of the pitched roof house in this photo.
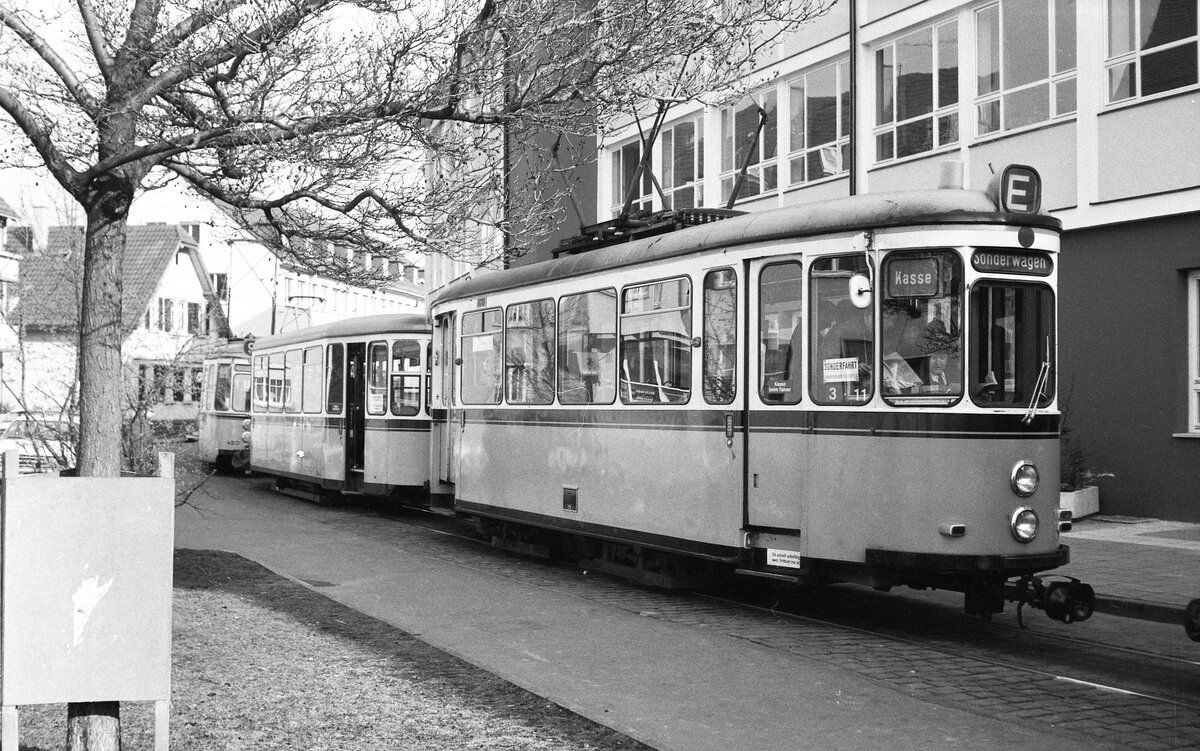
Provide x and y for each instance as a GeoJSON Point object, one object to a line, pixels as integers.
{"type": "Point", "coordinates": [166, 306]}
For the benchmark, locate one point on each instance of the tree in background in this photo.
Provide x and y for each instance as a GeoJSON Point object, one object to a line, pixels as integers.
{"type": "Point", "coordinates": [313, 118]}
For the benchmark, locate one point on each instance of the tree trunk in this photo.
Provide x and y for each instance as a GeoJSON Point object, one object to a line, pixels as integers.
{"type": "Point", "coordinates": [96, 726]}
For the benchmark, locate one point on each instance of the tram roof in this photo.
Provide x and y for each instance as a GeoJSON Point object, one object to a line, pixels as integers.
{"type": "Point", "coordinates": [386, 323]}
{"type": "Point", "coordinates": [233, 348]}
{"type": "Point", "coordinates": [852, 214]}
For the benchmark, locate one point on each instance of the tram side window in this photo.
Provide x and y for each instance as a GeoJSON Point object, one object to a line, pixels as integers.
{"type": "Point", "coordinates": [656, 343]}
{"type": "Point", "coordinates": [781, 323]}
{"type": "Point", "coordinates": [310, 386]}
{"type": "Point", "coordinates": [1012, 344]}
{"type": "Point", "coordinates": [240, 393]}
{"type": "Point", "coordinates": [261, 376]}
{"type": "Point", "coordinates": [921, 335]}
{"type": "Point", "coordinates": [334, 379]}
{"type": "Point", "coordinates": [529, 353]}
{"type": "Point", "coordinates": [587, 348]}
{"type": "Point", "coordinates": [482, 374]}
{"type": "Point", "coordinates": [377, 378]}
{"type": "Point", "coordinates": [222, 387]}
{"type": "Point", "coordinates": [842, 336]}
{"type": "Point", "coordinates": [720, 336]}
{"type": "Point", "coordinates": [406, 378]}
{"type": "Point", "coordinates": [293, 373]}
{"type": "Point", "coordinates": [275, 382]}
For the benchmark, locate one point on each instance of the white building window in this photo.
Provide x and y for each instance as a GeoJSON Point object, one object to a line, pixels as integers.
{"type": "Point", "coordinates": [739, 127]}
{"type": "Point", "coordinates": [1025, 63]}
{"type": "Point", "coordinates": [683, 163]}
{"type": "Point", "coordinates": [1152, 47]}
{"type": "Point", "coordinates": [916, 92]}
{"type": "Point", "coordinates": [820, 123]}
{"type": "Point", "coordinates": [1193, 350]}
{"type": "Point", "coordinates": [625, 161]}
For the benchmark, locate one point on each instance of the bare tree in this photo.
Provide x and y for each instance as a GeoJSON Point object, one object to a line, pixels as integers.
{"type": "Point", "coordinates": [315, 117]}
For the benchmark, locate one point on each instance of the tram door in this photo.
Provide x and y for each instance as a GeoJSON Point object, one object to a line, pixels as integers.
{"type": "Point", "coordinates": [450, 422]}
{"type": "Point", "coordinates": [775, 390]}
{"type": "Point", "coordinates": [356, 389]}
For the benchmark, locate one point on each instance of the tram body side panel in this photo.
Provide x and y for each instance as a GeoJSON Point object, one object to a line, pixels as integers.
{"type": "Point", "coordinates": [305, 447]}
{"type": "Point", "coordinates": [396, 451]}
{"type": "Point", "coordinates": [848, 493]}
{"type": "Point", "coordinates": [670, 481]}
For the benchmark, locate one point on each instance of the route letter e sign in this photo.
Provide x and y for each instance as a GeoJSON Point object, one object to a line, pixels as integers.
{"type": "Point", "coordinates": [1016, 189]}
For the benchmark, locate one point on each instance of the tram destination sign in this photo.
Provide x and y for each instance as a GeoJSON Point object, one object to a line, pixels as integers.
{"type": "Point", "coordinates": [998, 261]}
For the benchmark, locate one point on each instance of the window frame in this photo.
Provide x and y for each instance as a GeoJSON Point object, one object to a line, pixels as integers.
{"type": "Point", "coordinates": [841, 143]}
{"type": "Point", "coordinates": [1193, 350]}
{"type": "Point", "coordinates": [626, 395]}
{"type": "Point", "coordinates": [606, 377]}
{"type": "Point", "coordinates": [1135, 55]}
{"type": "Point", "coordinates": [767, 160]}
{"type": "Point", "coordinates": [667, 157]}
{"type": "Point", "coordinates": [312, 387]}
{"type": "Point", "coordinates": [713, 385]}
{"type": "Point", "coordinates": [404, 377]}
{"type": "Point", "coordinates": [938, 111]}
{"type": "Point", "coordinates": [1001, 95]}
{"type": "Point", "coordinates": [512, 393]}
{"type": "Point", "coordinates": [379, 407]}
{"type": "Point", "coordinates": [797, 388]}
{"type": "Point", "coordinates": [467, 356]}
{"type": "Point", "coordinates": [620, 172]}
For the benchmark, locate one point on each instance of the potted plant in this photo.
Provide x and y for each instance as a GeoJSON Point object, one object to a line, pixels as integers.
{"type": "Point", "coordinates": [1078, 491]}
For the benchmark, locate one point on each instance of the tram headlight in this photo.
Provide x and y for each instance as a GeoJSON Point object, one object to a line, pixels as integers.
{"type": "Point", "coordinates": [1024, 479]}
{"type": "Point", "coordinates": [1024, 524]}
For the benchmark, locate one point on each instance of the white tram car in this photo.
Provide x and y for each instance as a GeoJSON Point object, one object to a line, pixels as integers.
{"type": "Point", "coordinates": [342, 407]}
{"type": "Point", "coordinates": [864, 390]}
{"type": "Point", "coordinates": [220, 424]}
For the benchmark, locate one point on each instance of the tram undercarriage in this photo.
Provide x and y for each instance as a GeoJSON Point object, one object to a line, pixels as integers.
{"type": "Point", "coordinates": [986, 582]}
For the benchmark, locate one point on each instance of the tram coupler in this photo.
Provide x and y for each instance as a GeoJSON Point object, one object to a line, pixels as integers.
{"type": "Point", "coordinates": [1066, 599]}
{"type": "Point", "coordinates": [1191, 619]}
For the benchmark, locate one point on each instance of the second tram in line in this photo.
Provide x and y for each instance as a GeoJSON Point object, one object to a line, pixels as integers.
{"type": "Point", "coordinates": [220, 424]}
{"type": "Point", "coordinates": [342, 408]}
{"type": "Point", "coordinates": [860, 390]}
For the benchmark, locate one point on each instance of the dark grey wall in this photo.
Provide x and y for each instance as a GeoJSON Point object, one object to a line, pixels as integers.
{"type": "Point", "coordinates": [1123, 347]}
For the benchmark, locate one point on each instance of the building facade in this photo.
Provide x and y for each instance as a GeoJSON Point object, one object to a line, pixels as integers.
{"type": "Point", "coordinates": [1100, 96]}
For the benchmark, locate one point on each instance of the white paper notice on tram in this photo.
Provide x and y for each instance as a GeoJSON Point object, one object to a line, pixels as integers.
{"type": "Point", "coordinates": [783, 558]}
{"type": "Point", "coordinates": [841, 370]}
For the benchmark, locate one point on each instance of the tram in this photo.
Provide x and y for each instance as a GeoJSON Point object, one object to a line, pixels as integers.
{"type": "Point", "coordinates": [225, 407]}
{"type": "Point", "coordinates": [340, 408]}
{"type": "Point", "coordinates": [859, 390]}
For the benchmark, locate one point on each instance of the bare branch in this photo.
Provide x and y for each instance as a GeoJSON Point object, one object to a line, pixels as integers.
{"type": "Point", "coordinates": [60, 67]}
{"type": "Point", "coordinates": [95, 35]}
{"type": "Point", "coordinates": [41, 137]}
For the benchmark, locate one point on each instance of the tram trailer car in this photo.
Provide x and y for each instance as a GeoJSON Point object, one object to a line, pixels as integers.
{"type": "Point", "coordinates": [860, 390]}
{"type": "Point", "coordinates": [341, 408]}
{"type": "Point", "coordinates": [220, 424]}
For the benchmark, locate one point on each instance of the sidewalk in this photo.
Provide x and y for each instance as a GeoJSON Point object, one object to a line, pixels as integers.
{"type": "Point", "coordinates": [1139, 568]}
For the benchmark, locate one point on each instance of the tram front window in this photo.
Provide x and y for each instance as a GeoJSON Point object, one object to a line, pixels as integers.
{"type": "Point", "coordinates": [921, 334]}
{"type": "Point", "coordinates": [1012, 344]}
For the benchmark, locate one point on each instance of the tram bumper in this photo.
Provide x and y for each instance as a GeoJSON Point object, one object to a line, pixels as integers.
{"type": "Point", "coordinates": [933, 563]}
{"type": "Point", "coordinates": [984, 579]}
